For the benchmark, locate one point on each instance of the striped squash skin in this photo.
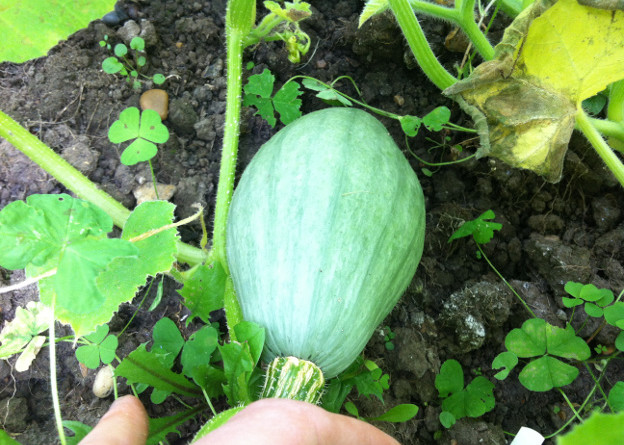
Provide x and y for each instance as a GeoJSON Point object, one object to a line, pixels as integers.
{"type": "Point", "coordinates": [324, 234]}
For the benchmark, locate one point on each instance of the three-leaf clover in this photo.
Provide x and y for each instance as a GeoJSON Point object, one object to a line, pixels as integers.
{"type": "Point", "coordinates": [593, 298]}
{"type": "Point", "coordinates": [147, 130]}
{"type": "Point", "coordinates": [543, 343]}
{"type": "Point", "coordinates": [102, 348]}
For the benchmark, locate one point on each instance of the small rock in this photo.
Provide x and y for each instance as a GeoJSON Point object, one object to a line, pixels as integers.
{"type": "Point", "coordinates": [475, 311]}
{"type": "Point", "coordinates": [104, 382]}
{"type": "Point", "coordinates": [146, 192]}
{"type": "Point", "coordinates": [606, 212]}
{"type": "Point", "coordinates": [128, 31]}
{"type": "Point", "coordinates": [157, 100]}
{"type": "Point", "coordinates": [81, 155]}
{"type": "Point", "coordinates": [113, 18]}
{"type": "Point", "coordinates": [148, 33]}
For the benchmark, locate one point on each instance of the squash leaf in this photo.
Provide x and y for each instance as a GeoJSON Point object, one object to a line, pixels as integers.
{"type": "Point", "coordinates": [551, 58]}
{"type": "Point", "coordinates": [55, 20]}
{"type": "Point", "coordinates": [599, 429]}
{"type": "Point", "coordinates": [203, 290]}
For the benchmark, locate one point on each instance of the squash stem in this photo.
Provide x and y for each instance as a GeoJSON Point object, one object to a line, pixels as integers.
{"type": "Point", "coordinates": [225, 187]}
{"type": "Point", "coordinates": [602, 148]}
{"type": "Point", "coordinates": [295, 379]}
{"type": "Point", "coordinates": [418, 44]}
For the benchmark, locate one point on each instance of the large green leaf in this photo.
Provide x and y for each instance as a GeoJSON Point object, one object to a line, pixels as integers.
{"type": "Point", "coordinates": [31, 27]}
{"type": "Point", "coordinates": [599, 429]}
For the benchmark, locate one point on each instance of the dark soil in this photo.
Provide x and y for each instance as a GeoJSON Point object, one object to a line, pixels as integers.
{"type": "Point", "coordinates": [456, 307]}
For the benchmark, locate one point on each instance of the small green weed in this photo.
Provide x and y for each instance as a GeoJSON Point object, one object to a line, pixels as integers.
{"type": "Point", "coordinates": [388, 337]}
{"type": "Point", "coordinates": [474, 400]}
{"type": "Point", "coordinates": [259, 93]}
{"type": "Point", "coordinates": [128, 62]}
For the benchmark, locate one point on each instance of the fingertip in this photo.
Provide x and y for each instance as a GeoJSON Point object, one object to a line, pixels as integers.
{"type": "Point", "coordinates": [126, 423]}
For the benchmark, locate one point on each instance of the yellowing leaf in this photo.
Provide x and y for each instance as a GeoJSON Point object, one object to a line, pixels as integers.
{"type": "Point", "coordinates": [575, 49]}
{"type": "Point", "coordinates": [524, 102]}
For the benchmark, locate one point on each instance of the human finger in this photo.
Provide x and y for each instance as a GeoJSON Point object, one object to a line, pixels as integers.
{"type": "Point", "coordinates": [125, 423]}
{"type": "Point", "coordinates": [290, 422]}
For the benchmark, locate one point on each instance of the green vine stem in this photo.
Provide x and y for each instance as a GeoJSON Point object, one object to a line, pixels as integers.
{"type": "Point", "coordinates": [58, 418]}
{"type": "Point", "coordinates": [463, 16]}
{"type": "Point", "coordinates": [602, 148]}
{"type": "Point", "coordinates": [418, 44]}
{"type": "Point", "coordinates": [239, 20]}
{"type": "Point", "coordinates": [75, 181]}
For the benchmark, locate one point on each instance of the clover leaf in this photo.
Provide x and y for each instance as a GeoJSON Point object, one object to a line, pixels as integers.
{"type": "Point", "coordinates": [102, 348]}
{"type": "Point", "coordinates": [147, 130]}
{"type": "Point", "coordinates": [537, 338]}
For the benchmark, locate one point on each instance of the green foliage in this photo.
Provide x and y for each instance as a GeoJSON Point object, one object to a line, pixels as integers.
{"type": "Point", "coordinates": [388, 337]}
{"type": "Point", "coordinates": [22, 41]}
{"type": "Point", "coordinates": [397, 414]}
{"type": "Point", "coordinates": [122, 64]}
{"type": "Point", "coordinates": [79, 429]}
{"type": "Point", "coordinates": [197, 358]}
{"type": "Point", "coordinates": [481, 230]}
{"type": "Point", "coordinates": [142, 366]}
{"type": "Point", "coordinates": [472, 401]}
{"type": "Point", "coordinates": [616, 397]}
{"type": "Point", "coordinates": [281, 23]}
{"type": "Point", "coordinates": [593, 299]}
{"type": "Point", "coordinates": [159, 428]}
{"type": "Point", "coordinates": [599, 429]}
{"type": "Point", "coordinates": [102, 348]}
{"type": "Point", "coordinates": [327, 93]}
{"type": "Point", "coordinates": [239, 361]}
{"type": "Point", "coordinates": [506, 360]}
{"type": "Point", "coordinates": [258, 93]}
{"type": "Point", "coordinates": [203, 290]}
{"type": "Point", "coordinates": [87, 275]}
{"type": "Point", "coordinates": [543, 343]}
{"type": "Point", "coordinates": [145, 128]}
{"type": "Point", "coordinates": [364, 375]}
{"type": "Point", "coordinates": [58, 232]}
{"type": "Point", "coordinates": [435, 120]}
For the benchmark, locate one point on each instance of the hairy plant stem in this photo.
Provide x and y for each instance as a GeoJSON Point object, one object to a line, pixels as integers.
{"type": "Point", "coordinates": [418, 44]}
{"type": "Point", "coordinates": [239, 20]}
{"type": "Point", "coordinates": [463, 16]}
{"type": "Point", "coordinates": [75, 181]}
{"type": "Point", "coordinates": [225, 186]}
{"type": "Point", "coordinates": [602, 148]}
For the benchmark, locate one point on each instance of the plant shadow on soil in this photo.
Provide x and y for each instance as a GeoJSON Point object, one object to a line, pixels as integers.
{"type": "Point", "coordinates": [455, 307]}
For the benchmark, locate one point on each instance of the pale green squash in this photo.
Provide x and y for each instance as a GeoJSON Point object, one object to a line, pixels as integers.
{"type": "Point", "coordinates": [324, 234]}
